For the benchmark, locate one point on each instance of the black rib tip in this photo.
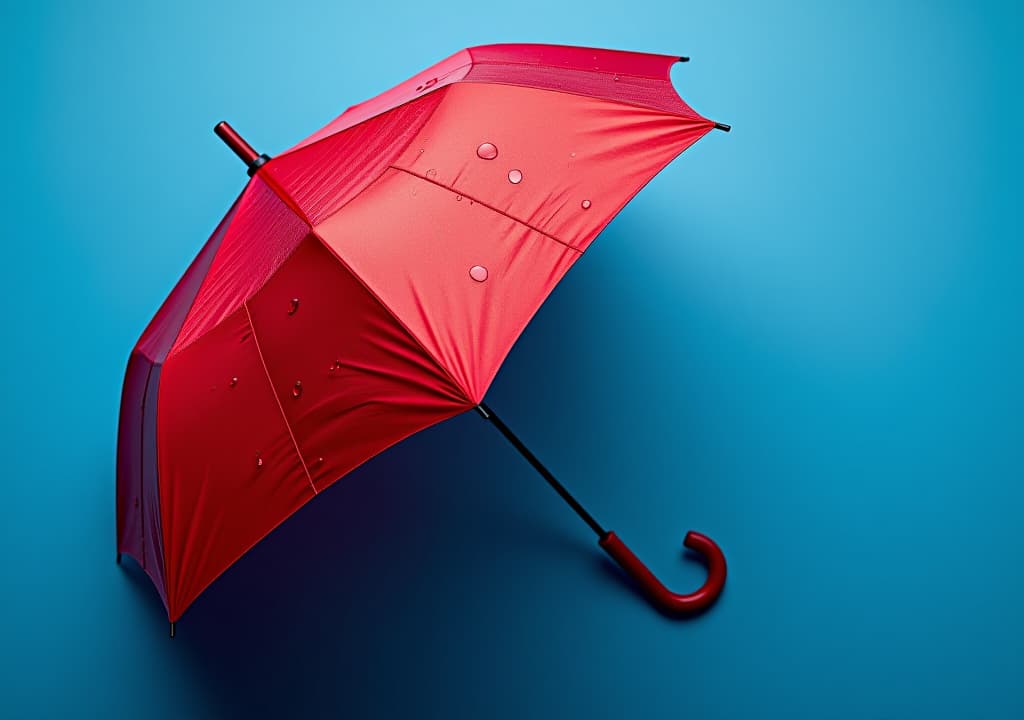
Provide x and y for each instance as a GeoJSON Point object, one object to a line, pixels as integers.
{"type": "Point", "coordinates": [723, 127]}
{"type": "Point", "coordinates": [683, 58]}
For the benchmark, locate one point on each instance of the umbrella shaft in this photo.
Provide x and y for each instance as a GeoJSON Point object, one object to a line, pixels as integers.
{"type": "Point", "coordinates": [489, 414]}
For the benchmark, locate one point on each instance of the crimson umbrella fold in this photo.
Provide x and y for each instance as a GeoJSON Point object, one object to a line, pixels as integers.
{"type": "Point", "coordinates": [369, 282]}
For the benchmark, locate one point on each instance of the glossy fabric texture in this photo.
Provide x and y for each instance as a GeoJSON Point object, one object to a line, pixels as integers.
{"type": "Point", "coordinates": [369, 282]}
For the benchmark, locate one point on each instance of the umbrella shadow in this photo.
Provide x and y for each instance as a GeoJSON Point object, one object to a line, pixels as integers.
{"type": "Point", "coordinates": [277, 620]}
{"type": "Point", "coordinates": [346, 592]}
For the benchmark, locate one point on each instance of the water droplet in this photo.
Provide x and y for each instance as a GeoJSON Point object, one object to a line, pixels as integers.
{"type": "Point", "coordinates": [335, 366]}
{"type": "Point", "coordinates": [297, 389]}
{"type": "Point", "coordinates": [585, 204]}
{"type": "Point", "coordinates": [293, 306]}
{"type": "Point", "coordinates": [259, 461]}
{"type": "Point", "coordinates": [431, 174]}
{"type": "Point", "coordinates": [421, 151]}
{"type": "Point", "coordinates": [572, 154]}
{"type": "Point", "coordinates": [319, 461]}
{"type": "Point", "coordinates": [478, 273]}
{"type": "Point", "coordinates": [234, 381]}
{"type": "Point", "coordinates": [615, 78]}
{"type": "Point", "coordinates": [458, 198]}
{"type": "Point", "coordinates": [487, 151]}
{"type": "Point", "coordinates": [515, 177]}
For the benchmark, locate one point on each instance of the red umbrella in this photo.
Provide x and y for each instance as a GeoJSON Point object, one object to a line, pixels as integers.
{"type": "Point", "coordinates": [368, 283]}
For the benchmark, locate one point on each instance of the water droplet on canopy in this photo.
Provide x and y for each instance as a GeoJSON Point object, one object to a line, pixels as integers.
{"type": "Point", "coordinates": [487, 151]}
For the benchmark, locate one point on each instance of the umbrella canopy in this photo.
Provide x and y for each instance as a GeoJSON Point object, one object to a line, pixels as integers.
{"type": "Point", "coordinates": [368, 283]}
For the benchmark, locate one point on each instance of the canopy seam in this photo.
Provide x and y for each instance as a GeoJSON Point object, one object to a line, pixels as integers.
{"type": "Point", "coordinates": [280, 407]}
{"type": "Point", "coordinates": [490, 207]}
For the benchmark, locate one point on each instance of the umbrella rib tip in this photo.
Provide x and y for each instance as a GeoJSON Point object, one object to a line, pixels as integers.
{"type": "Point", "coordinates": [723, 127]}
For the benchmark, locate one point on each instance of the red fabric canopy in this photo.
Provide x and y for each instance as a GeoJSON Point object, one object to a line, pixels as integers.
{"type": "Point", "coordinates": [368, 283]}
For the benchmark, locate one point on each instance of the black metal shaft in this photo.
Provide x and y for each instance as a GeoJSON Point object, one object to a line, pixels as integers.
{"type": "Point", "coordinates": [489, 414]}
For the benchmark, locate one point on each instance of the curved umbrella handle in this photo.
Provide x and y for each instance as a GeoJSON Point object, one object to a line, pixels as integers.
{"type": "Point", "coordinates": [660, 596]}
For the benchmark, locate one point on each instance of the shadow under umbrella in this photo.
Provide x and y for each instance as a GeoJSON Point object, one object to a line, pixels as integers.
{"type": "Point", "coordinates": [348, 586]}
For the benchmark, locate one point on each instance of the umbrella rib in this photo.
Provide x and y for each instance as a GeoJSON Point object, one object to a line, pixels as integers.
{"type": "Point", "coordinates": [489, 207]}
{"type": "Point", "coordinates": [387, 308]}
{"type": "Point", "coordinates": [288, 200]}
{"type": "Point", "coordinates": [273, 392]}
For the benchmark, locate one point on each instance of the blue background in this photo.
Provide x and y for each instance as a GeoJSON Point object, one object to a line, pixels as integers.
{"type": "Point", "coordinates": [803, 338]}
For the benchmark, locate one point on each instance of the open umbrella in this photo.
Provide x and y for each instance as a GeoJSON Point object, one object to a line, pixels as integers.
{"type": "Point", "coordinates": [368, 283]}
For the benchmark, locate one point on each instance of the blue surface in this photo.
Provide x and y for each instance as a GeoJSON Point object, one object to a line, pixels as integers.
{"type": "Point", "coordinates": [804, 338]}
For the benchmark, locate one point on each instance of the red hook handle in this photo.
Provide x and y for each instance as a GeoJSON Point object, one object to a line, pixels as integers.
{"type": "Point", "coordinates": [660, 596]}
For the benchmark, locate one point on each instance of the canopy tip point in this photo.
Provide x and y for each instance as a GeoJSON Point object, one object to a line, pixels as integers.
{"type": "Point", "coordinates": [723, 127]}
{"type": "Point", "coordinates": [684, 58]}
